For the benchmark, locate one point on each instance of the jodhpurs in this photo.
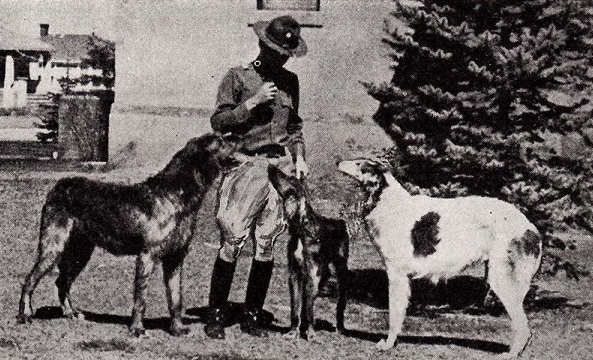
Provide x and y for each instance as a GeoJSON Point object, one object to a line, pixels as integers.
{"type": "Point", "coordinates": [250, 208]}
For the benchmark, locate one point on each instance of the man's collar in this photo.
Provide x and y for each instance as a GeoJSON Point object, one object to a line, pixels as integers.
{"type": "Point", "coordinates": [266, 71]}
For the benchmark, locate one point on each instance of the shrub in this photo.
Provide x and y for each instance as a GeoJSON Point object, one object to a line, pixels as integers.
{"type": "Point", "coordinates": [48, 115]}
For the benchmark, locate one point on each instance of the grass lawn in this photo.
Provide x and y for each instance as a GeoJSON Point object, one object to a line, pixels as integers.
{"type": "Point", "coordinates": [139, 146]}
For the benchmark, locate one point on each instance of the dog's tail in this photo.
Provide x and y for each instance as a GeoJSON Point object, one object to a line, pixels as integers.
{"type": "Point", "coordinates": [57, 212]}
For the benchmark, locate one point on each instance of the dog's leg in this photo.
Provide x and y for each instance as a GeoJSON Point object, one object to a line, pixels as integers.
{"type": "Point", "coordinates": [51, 245]}
{"type": "Point", "coordinates": [77, 253]}
{"type": "Point", "coordinates": [295, 286]}
{"type": "Point", "coordinates": [173, 276]}
{"type": "Point", "coordinates": [311, 288]}
{"type": "Point", "coordinates": [511, 285]}
{"type": "Point", "coordinates": [490, 299]}
{"type": "Point", "coordinates": [144, 267]}
{"type": "Point", "coordinates": [40, 269]}
{"type": "Point", "coordinates": [342, 275]}
{"type": "Point", "coordinates": [399, 297]}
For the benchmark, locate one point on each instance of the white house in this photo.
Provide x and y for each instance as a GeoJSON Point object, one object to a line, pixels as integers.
{"type": "Point", "coordinates": [31, 68]}
{"type": "Point", "coordinates": [64, 64]}
{"type": "Point", "coordinates": [16, 53]}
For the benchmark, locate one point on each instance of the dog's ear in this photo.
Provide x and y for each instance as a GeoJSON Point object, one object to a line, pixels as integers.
{"type": "Point", "coordinates": [280, 181]}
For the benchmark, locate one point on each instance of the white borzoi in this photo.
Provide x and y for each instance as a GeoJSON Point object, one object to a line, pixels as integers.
{"type": "Point", "coordinates": [424, 237]}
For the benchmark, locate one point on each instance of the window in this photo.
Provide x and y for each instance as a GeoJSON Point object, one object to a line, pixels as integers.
{"type": "Point", "coordinates": [305, 5]}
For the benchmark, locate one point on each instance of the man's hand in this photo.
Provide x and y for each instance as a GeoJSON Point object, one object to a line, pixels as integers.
{"type": "Point", "coordinates": [265, 93]}
{"type": "Point", "coordinates": [302, 169]}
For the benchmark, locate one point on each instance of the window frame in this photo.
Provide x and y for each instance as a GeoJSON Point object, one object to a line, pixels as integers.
{"type": "Point", "coordinates": [261, 5]}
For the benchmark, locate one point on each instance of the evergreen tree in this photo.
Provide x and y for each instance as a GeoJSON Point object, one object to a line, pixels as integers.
{"type": "Point", "coordinates": [101, 55]}
{"type": "Point", "coordinates": [48, 115]}
{"type": "Point", "coordinates": [478, 86]}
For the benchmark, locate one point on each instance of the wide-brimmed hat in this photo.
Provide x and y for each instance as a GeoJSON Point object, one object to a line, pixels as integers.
{"type": "Point", "coordinates": [282, 34]}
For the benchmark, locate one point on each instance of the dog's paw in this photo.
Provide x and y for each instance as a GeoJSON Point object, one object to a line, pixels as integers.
{"type": "Point", "coordinates": [137, 331]}
{"type": "Point", "coordinates": [179, 331]}
{"type": "Point", "coordinates": [24, 319]}
{"type": "Point", "coordinates": [383, 345]}
{"type": "Point", "coordinates": [292, 334]}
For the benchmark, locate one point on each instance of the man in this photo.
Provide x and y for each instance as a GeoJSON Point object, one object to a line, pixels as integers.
{"type": "Point", "coordinates": [259, 102]}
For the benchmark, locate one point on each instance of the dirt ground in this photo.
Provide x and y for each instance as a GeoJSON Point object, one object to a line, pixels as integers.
{"type": "Point", "coordinates": [561, 319]}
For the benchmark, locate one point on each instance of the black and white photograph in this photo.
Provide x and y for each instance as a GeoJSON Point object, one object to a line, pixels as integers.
{"type": "Point", "coordinates": [296, 179]}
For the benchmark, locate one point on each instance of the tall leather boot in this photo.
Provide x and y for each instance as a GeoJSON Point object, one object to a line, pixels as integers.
{"type": "Point", "coordinates": [257, 289]}
{"type": "Point", "coordinates": [220, 287]}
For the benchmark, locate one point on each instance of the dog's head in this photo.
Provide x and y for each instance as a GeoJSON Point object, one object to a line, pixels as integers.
{"type": "Point", "coordinates": [213, 150]}
{"type": "Point", "coordinates": [366, 171]}
{"type": "Point", "coordinates": [292, 192]}
{"type": "Point", "coordinates": [303, 223]}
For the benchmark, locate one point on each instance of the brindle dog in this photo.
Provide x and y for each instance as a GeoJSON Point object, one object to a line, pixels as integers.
{"type": "Point", "coordinates": [315, 243]}
{"type": "Point", "coordinates": [154, 220]}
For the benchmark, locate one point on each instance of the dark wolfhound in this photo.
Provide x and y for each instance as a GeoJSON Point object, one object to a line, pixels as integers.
{"type": "Point", "coordinates": [154, 220]}
{"type": "Point", "coordinates": [315, 243]}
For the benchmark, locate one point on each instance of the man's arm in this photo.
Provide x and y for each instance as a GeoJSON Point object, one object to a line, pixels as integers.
{"type": "Point", "coordinates": [295, 131]}
{"type": "Point", "coordinates": [229, 112]}
{"type": "Point", "coordinates": [295, 124]}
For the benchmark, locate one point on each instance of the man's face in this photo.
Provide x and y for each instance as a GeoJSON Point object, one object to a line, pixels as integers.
{"type": "Point", "coordinates": [272, 57]}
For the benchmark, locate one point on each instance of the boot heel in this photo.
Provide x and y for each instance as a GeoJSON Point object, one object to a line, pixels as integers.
{"type": "Point", "coordinates": [257, 289]}
{"type": "Point", "coordinates": [220, 287]}
{"type": "Point", "coordinates": [251, 324]}
{"type": "Point", "coordinates": [214, 328]}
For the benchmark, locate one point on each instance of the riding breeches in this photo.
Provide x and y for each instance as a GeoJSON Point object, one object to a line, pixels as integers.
{"type": "Point", "coordinates": [250, 208]}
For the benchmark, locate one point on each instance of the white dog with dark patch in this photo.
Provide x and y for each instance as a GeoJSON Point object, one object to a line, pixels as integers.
{"type": "Point", "coordinates": [424, 237]}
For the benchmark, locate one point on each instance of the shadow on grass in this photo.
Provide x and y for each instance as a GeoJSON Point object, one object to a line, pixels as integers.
{"type": "Point", "coordinates": [159, 323]}
{"type": "Point", "coordinates": [199, 315]}
{"type": "Point", "coordinates": [481, 345]}
{"type": "Point", "coordinates": [194, 315]}
{"type": "Point", "coordinates": [462, 293]}
{"type": "Point", "coordinates": [236, 309]}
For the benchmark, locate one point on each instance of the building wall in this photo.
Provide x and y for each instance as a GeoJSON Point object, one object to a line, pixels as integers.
{"type": "Point", "coordinates": [175, 53]}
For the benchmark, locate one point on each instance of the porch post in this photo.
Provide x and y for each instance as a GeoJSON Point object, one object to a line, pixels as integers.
{"type": "Point", "coordinates": [8, 98]}
{"type": "Point", "coordinates": [45, 76]}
